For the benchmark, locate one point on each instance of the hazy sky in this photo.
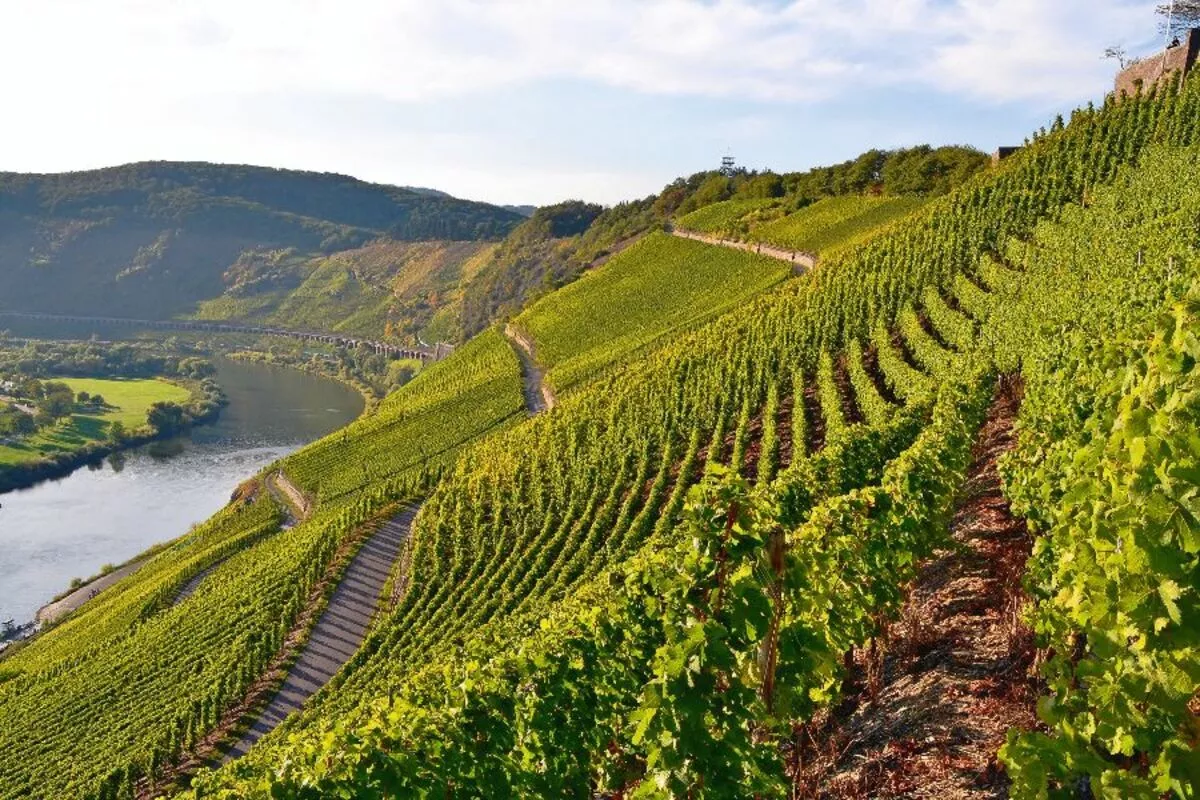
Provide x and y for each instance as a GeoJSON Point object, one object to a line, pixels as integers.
{"type": "Point", "coordinates": [533, 101]}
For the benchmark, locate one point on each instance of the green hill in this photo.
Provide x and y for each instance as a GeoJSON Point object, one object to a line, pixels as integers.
{"type": "Point", "coordinates": [657, 286]}
{"type": "Point", "coordinates": [656, 587]}
{"type": "Point", "coordinates": [569, 632]}
{"type": "Point", "coordinates": [153, 239]}
{"type": "Point", "coordinates": [553, 247]}
{"type": "Point", "coordinates": [817, 228]}
{"type": "Point", "coordinates": [383, 289]}
{"type": "Point", "coordinates": [833, 222]}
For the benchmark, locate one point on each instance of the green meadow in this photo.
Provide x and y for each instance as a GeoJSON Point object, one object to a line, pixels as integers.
{"type": "Point", "coordinates": [126, 401]}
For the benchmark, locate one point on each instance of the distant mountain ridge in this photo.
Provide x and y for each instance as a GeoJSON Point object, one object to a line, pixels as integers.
{"type": "Point", "coordinates": [153, 239]}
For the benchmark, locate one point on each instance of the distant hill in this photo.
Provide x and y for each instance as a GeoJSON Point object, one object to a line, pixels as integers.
{"type": "Point", "coordinates": [427, 192]}
{"type": "Point", "coordinates": [407, 291]}
{"type": "Point", "coordinates": [172, 239]}
{"type": "Point", "coordinates": [153, 239]}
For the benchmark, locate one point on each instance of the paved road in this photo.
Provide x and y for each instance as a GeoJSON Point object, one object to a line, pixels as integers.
{"type": "Point", "coordinates": [51, 612]}
{"type": "Point", "coordinates": [538, 396]}
{"type": "Point", "coordinates": [339, 631]}
{"type": "Point", "coordinates": [800, 261]}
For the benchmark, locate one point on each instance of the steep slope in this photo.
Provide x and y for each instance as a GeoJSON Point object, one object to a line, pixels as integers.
{"type": "Point", "coordinates": [927, 706]}
{"type": "Point", "coordinates": [815, 229]}
{"type": "Point", "coordinates": [556, 245]}
{"type": "Point", "coordinates": [658, 286]}
{"type": "Point", "coordinates": [150, 240]}
{"type": "Point", "coordinates": [576, 617]}
{"type": "Point", "coordinates": [542, 651]}
{"type": "Point", "coordinates": [544, 253]}
{"type": "Point", "coordinates": [202, 655]}
{"type": "Point", "coordinates": [405, 291]}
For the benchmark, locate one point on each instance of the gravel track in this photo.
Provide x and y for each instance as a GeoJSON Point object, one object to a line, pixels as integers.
{"type": "Point", "coordinates": [801, 262]}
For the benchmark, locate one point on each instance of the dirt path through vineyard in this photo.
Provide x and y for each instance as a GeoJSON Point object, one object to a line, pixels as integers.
{"type": "Point", "coordinates": [538, 396]}
{"type": "Point", "coordinates": [957, 671]}
{"type": "Point", "coordinates": [52, 611]}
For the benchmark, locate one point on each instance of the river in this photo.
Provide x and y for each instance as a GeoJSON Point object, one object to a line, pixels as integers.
{"type": "Point", "coordinates": [71, 527]}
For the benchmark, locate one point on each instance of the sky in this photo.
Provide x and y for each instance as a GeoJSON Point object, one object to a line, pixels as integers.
{"type": "Point", "coordinates": [536, 101]}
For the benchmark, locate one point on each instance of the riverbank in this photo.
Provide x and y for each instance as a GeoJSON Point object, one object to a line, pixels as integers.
{"type": "Point", "coordinates": [59, 531]}
{"type": "Point", "coordinates": [85, 439]}
{"type": "Point", "coordinates": [371, 395]}
{"type": "Point", "coordinates": [15, 636]}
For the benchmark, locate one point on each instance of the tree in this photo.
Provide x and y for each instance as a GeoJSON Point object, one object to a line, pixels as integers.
{"type": "Point", "coordinates": [117, 432]}
{"type": "Point", "coordinates": [193, 367]}
{"type": "Point", "coordinates": [14, 421]}
{"type": "Point", "coordinates": [713, 189]}
{"type": "Point", "coordinates": [165, 417]}
{"type": "Point", "coordinates": [83, 398]}
{"type": "Point", "coordinates": [23, 424]}
{"type": "Point", "coordinates": [30, 388]}
{"type": "Point", "coordinates": [760, 187]}
{"type": "Point", "coordinates": [1118, 53]}
{"type": "Point", "coordinates": [57, 400]}
{"type": "Point", "coordinates": [1184, 16]}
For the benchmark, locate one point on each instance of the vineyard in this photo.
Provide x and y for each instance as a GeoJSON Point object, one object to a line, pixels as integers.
{"type": "Point", "coordinates": [659, 285]}
{"type": "Point", "coordinates": [824, 225]}
{"type": "Point", "coordinates": [834, 222]}
{"type": "Point", "coordinates": [652, 589]}
{"type": "Point", "coordinates": [731, 218]}
{"type": "Point", "coordinates": [419, 429]}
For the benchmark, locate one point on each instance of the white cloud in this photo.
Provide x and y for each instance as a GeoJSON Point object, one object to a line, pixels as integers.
{"type": "Point", "coordinates": [1031, 49]}
{"type": "Point", "coordinates": [90, 83]}
{"type": "Point", "coordinates": [417, 49]}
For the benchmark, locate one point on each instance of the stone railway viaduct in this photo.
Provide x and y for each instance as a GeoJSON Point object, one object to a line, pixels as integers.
{"type": "Point", "coordinates": [424, 353]}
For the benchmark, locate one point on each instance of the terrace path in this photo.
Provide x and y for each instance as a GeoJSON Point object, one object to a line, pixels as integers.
{"type": "Point", "coordinates": [801, 262]}
{"type": "Point", "coordinates": [295, 505]}
{"type": "Point", "coordinates": [343, 625]}
{"type": "Point", "coordinates": [340, 630]}
{"type": "Point", "coordinates": [291, 501]}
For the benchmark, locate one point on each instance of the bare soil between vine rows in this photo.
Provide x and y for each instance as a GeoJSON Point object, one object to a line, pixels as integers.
{"type": "Point", "coordinates": [925, 715]}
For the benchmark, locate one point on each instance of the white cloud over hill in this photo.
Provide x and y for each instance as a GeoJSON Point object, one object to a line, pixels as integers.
{"type": "Point", "coordinates": [89, 83]}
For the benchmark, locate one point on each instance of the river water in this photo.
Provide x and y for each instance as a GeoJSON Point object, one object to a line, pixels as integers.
{"type": "Point", "coordinates": [58, 530]}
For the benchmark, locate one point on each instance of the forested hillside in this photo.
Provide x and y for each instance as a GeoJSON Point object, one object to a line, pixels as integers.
{"type": "Point", "coordinates": [152, 239]}
{"type": "Point", "coordinates": [656, 588]}
{"type": "Point", "coordinates": [386, 289]}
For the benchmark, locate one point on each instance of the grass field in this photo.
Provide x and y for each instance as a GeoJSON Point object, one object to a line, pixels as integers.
{"type": "Point", "coordinates": [127, 400]}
